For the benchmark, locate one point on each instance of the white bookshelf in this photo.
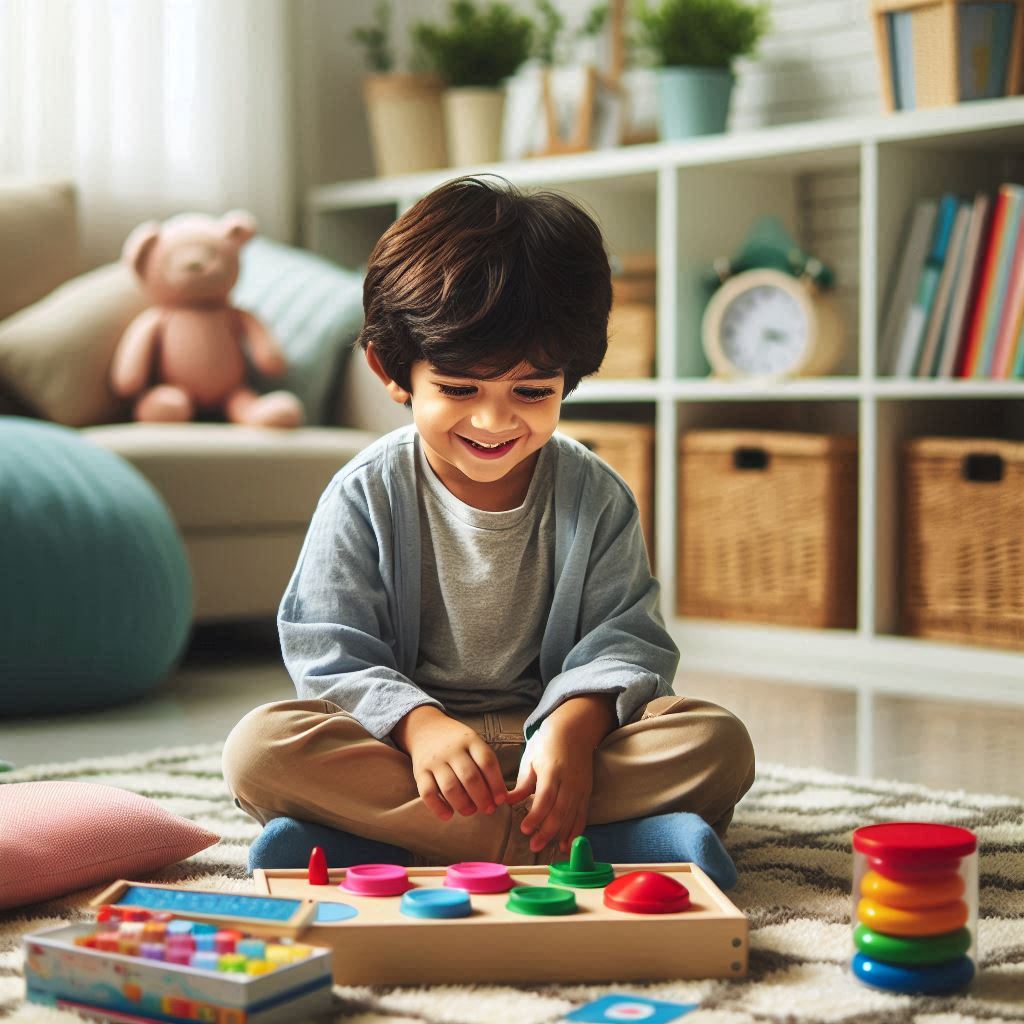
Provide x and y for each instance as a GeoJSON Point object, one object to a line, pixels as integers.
{"type": "Point", "coordinates": [849, 183]}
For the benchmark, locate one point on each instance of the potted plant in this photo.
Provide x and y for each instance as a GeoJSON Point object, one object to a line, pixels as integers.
{"type": "Point", "coordinates": [474, 53]}
{"type": "Point", "coordinates": [694, 43]}
{"type": "Point", "coordinates": [403, 110]}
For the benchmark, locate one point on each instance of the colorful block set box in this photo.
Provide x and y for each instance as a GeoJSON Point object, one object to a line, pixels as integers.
{"type": "Point", "coordinates": [139, 966]}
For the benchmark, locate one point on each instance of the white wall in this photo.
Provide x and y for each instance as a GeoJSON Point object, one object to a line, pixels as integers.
{"type": "Point", "coordinates": [817, 61]}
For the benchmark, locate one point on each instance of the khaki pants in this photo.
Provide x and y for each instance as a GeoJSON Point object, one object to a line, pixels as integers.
{"type": "Point", "coordinates": [310, 760]}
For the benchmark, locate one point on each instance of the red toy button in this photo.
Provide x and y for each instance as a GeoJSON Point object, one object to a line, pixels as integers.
{"type": "Point", "coordinates": [647, 892]}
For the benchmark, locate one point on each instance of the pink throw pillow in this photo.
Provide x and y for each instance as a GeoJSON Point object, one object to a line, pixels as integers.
{"type": "Point", "coordinates": [56, 837]}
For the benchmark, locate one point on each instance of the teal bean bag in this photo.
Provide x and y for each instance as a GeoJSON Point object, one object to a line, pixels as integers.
{"type": "Point", "coordinates": [95, 589]}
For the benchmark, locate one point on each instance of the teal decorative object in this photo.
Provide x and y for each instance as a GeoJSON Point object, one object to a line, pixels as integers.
{"type": "Point", "coordinates": [95, 589]}
{"type": "Point", "coordinates": [693, 101]}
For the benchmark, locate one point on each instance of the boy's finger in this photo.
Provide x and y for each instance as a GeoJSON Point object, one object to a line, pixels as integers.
{"type": "Point", "coordinates": [453, 792]}
{"type": "Point", "coordinates": [491, 769]}
{"type": "Point", "coordinates": [543, 802]}
{"type": "Point", "coordinates": [431, 796]}
{"type": "Point", "coordinates": [473, 783]}
{"type": "Point", "coordinates": [552, 825]}
{"type": "Point", "coordinates": [523, 788]}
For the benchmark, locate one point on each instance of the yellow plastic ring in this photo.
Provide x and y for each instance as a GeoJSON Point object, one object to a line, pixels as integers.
{"type": "Point", "coordinates": [912, 895]}
{"type": "Point", "coordinates": [894, 921]}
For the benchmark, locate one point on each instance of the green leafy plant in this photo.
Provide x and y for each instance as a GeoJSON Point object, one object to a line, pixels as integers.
{"type": "Point", "coordinates": [549, 43]}
{"type": "Point", "coordinates": [376, 38]}
{"type": "Point", "coordinates": [478, 46]}
{"type": "Point", "coordinates": [699, 33]}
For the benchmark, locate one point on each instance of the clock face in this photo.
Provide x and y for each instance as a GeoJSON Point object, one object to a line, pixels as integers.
{"type": "Point", "coordinates": [764, 330]}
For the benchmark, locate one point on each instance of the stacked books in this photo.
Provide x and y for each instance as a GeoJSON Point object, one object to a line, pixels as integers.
{"type": "Point", "coordinates": [956, 308]}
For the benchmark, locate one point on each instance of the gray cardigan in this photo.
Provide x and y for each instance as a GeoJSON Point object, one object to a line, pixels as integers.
{"type": "Point", "coordinates": [349, 621]}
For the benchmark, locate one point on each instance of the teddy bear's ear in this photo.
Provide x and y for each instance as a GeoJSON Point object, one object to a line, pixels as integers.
{"type": "Point", "coordinates": [138, 244]}
{"type": "Point", "coordinates": [238, 226]}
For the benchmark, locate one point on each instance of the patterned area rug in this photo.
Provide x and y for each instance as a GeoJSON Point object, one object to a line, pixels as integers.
{"type": "Point", "coordinates": [791, 842]}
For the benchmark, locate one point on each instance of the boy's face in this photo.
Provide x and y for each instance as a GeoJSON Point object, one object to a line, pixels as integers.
{"type": "Point", "coordinates": [481, 436]}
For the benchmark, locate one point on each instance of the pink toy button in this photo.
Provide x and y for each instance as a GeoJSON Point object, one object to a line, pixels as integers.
{"type": "Point", "coordinates": [376, 880]}
{"type": "Point", "coordinates": [479, 876]}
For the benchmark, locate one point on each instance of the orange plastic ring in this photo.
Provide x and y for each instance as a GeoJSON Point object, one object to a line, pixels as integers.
{"type": "Point", "coordinates": [932, 892]}
{"type": "Point", "coordinates": [894, 921]}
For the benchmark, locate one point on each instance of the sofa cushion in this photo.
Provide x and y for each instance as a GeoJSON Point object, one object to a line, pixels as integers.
{"type": "Point", "coordinates": [220, 475]}
{"type": "Point", "coordinates": [55, 355]}
{"type": "Point", "coordinates": [314, 309]}
{"type": "Point", "coordinates": [38, 240]}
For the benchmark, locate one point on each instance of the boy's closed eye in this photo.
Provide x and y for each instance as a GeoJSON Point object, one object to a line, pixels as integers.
{"type": "Point", "coordinates": [467, 390]}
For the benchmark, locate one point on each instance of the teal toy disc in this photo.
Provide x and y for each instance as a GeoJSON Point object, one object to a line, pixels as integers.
{"type": "Point", "coordinates": [541, 901]}
{"type": "Point", "coordinates": [925, 981]}
{"type": "Point", "coordinates": [912, 952]}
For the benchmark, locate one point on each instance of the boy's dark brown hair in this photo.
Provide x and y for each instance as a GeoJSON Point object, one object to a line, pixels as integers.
{"type": "Point", "coordinates": [477, 278]}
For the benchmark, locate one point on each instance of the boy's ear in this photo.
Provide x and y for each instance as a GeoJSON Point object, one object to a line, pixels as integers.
{"type": "Point", "coordinates": [395, 390]}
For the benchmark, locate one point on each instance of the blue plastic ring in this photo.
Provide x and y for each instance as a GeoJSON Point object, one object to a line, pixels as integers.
{"type": "Point", "coordinates": [934, 979]}
{"type": "Point", "coordinates": [436, 903]}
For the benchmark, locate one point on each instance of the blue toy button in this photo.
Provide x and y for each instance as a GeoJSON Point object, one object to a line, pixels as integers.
{"type": "Point", "coordinates": [932, 980]}
{"type": "Point", "coordinates": [331, 913]}
{"type": "Point", "coordinates": [436, 903]}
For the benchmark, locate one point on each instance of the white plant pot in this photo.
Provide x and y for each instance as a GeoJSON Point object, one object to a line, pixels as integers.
{"type": "Point", "coordinates": [473, 118]}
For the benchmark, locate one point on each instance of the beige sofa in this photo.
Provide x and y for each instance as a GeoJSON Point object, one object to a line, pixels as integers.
{"type": "Point", "coordinates": [242, 497]}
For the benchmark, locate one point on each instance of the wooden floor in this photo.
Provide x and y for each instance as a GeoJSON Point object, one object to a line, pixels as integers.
{"type": "Point", "coordinates": [229, 671]}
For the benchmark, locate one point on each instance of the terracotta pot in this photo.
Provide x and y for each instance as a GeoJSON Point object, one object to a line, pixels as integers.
{"type": "Point", "coordinates": [406, 122]}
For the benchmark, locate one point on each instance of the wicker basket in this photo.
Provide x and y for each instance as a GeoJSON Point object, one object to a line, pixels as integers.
{"type": "Point", "coordinates": [629, 449]}
{"type": "Point", "coordinates": [963, 540]}
{"type": "Point", "coordinates": [631, 325]}
{"type": "Point", "coordinates": [768, 527]}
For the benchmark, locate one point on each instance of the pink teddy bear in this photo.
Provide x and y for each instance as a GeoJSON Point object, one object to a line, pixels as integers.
{"type": "Point", "coordinates": [192, 336]}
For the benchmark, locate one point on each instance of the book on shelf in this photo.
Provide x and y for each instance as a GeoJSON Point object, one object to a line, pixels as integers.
{"type": "Point", "coordinates": [908, 350]}
{"type": "Point", "coordinates": [1001, 365]}
{"type": "Point", "coordinates": [1017, 372]}
{"type": "Point", "coordinates": [901, 59]}
{"type": "Point", "coordinates": [1001, 279]}
{"type": "Point", "coordinates": [908, 272]}
{"type": "Point", "coordinates": [926, 364]}
{"type": "Point", "coordinates": [965, 285]}
{"type": "Point", "coordinates": [984, 33]}
{"type": "Point", "coordinates": [984, 299]}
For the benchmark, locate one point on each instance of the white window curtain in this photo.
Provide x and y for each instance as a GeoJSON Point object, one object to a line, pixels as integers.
{"type": "Point", "coordinates": [152, 107]}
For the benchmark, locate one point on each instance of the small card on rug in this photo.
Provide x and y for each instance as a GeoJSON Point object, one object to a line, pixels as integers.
{"type": "Point", "coordinates": [615, 1008]}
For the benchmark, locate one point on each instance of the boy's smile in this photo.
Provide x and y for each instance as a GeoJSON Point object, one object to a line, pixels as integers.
{"type": "Point", "coordinates": [481, 437]}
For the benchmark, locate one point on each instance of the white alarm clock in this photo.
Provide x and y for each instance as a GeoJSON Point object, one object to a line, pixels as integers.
{"type": "Point", "coordinates": [765, 323]}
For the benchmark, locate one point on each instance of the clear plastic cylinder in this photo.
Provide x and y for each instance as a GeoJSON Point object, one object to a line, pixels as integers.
{"type": "Point", "coordinates": [915, 907]}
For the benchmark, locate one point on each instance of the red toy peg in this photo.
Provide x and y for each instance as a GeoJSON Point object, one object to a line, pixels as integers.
{"type": "Point", "coordinates": [318, 867]}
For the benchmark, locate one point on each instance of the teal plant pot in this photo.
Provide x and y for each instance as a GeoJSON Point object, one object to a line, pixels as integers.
{"type": "Point", "coordinates": [693, 101]}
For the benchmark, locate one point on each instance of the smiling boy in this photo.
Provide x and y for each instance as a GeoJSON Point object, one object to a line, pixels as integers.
{"type": "Point", "coordinates": [477, 580]}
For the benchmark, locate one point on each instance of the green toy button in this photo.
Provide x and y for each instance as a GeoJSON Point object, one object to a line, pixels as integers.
{"type": "Point", "coordinates": [581, 870]}
{"type": "Point", "coordinates": [912, 952]}
{"type": "Point", "coordinates": [540, 901]}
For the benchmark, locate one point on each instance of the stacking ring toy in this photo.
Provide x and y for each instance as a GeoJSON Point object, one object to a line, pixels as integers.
{"type": "Point", "coordinates": [947, 977]}
{"type": "Point", "coordinates": [912, 895]}
{"type": "Point", "coordinates": [910, 952]}
{"type": "Point", "coordinates": [893, 921]}
{"type": "Point", "coordinates": [478, 876]}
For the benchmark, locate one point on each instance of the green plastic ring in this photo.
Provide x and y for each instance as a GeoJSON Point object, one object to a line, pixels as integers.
{"type": "Point", "coordinates": [541, 901]}
{"type": "Point", "coordinates": [892, 949]}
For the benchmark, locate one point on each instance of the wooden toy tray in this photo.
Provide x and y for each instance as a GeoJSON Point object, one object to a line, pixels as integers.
{"type": "Point", "coordinates": [380, 945]}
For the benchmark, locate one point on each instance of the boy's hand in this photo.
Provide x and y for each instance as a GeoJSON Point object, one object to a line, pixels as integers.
{"type": "Point", "coordinates": [561, 769]}
{"type": "Point", "coordinates": [454, 768]}
{"type": "Point", "coordinates": [561, 773]}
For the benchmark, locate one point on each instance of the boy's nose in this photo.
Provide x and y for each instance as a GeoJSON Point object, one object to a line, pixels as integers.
{"type": "Point", "coordinates": [493, 417]}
